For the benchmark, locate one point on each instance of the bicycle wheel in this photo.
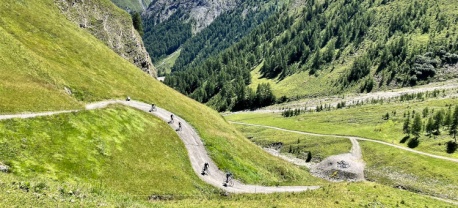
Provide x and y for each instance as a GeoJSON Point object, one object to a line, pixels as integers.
{"type": "Point", "coordinates": [230, 183]}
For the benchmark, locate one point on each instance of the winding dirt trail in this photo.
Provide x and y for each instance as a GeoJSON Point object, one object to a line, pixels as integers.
{"type": "Point", "coordinates": [355, 150]}
{"type": "Point", "coordinates": [450, 86]}
{"type": "Point", "coordinates": [193, 143]}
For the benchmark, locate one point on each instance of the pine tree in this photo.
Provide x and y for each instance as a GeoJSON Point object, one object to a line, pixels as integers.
{"type": "Point", "coordinates": [416, 125]}
{"type": "Point", "coordinates": [454, 126]}
{"type": "Point", "coordinates": [429, 126]}
{"type": "Point", "coordinates": [137, 22]}
{"type": "Point", "coordinates": [448, 118]}
{"type": "Point", "coordinates": [438, 120]}
{"type": "Point", "coordinates": [316, 61]}
{"type": "Point", "coordinates": [406, 126]}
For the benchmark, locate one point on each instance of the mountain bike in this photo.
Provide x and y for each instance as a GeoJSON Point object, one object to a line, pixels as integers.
{"type": "Point", "coordinates": [229, 182]}
{"type": "Point", "coordinates": [205, 170]}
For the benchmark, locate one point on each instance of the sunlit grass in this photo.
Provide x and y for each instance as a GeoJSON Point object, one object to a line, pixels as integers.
{"type": "Point", "coordinates": [297, 144]}
{"type": "Point", "coordinates": [43, 53]}
{"type": "Point", "coordinates": [164, 66]}
{"type": "Point", "coordinates": [384, 164]}
{"type": "Point", "coordinates": [119, 148]}
{"type": "Point", "coordinates": [363, 194]}
{"type": "Point", "coordinates": [364, 121]}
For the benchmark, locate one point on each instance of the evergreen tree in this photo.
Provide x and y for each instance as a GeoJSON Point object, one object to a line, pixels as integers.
{"type": "Point", "coordinates": [425, 112]}
{"type": "Point", "coordinates": [137, 22]}
{"type": "Point", "coordinates": [448, 117]}
{"type": "Point", "coordinates": [316, 61]}
{"type": "Point", "coordinates": [429, 126]}
{"type": "Point", "coordinates": [406, 126]}
{"type": "Point", "coordinates": [454, 126]}
{"type": "Point", "coordinates": [416, 125]}
{"type": "Point", "coordinates": [438, 120]}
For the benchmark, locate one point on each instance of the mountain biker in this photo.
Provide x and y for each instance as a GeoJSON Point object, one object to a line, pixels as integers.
{"type": "Point", "coordinates": [153, 107]}
{"type": "Point", "coordinates": [205, 169]}
{"type": "Point", "coordinates": [171, 118]}
{"type": "Point", "coordinates": [179, 126]}
{"type": "Point", "coordinates": [228, 177]}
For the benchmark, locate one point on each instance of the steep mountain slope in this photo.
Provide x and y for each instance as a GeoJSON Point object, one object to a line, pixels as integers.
{"type": "Point", "coordinates": [48, 63]}
{"type": "Point", "coordinates": [132, 5]}
{"type": "Point", "coordinates": [163, 39]}
{"type": "Point", "coordinates": [318, 48]}
{"type": "Point", "coordinates": [201, 12]}
{"type": "Point", "coordinates": [169, 24]}
{"type": "Point", "coordinates": [105, 152]}
{"type": "Point", "coordinates": [111, 25]}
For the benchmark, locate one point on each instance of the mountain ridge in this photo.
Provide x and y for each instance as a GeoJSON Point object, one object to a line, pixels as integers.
{"type": "Point", "coordinates": [201, 12]}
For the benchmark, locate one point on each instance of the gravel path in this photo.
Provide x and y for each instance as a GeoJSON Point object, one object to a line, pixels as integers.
{"type": "Point", "coordinates": [343, 167]}
{"type": "Point", "coordinates": [354, 151]}
{"type": "Point", "coordinates": [193, 143]}
{"type": "Point", "coordinates": [451, 86]}
{"type": "Point", "coordinates": [336, 168]}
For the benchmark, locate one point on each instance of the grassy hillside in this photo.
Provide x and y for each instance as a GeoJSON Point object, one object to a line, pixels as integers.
{"type": "Point", "coordinates": [384, 165]}
{"type": "Point", "coordinates": [367, 121]}
{"type": "Point", "coordinates": [164, 66]}
{"type": "Point", "coordinates": [42, 54]}
{"type": "Point", "coordinates": [296, 144]}
{"type": "Point", "coordinates": [132, 5]}
{"type": "Point", "coordinates": [116, 148]}
{"type": "Point", "coordinates": [333, 195]}
{"type": "Point", "coordinates": [115, 156]}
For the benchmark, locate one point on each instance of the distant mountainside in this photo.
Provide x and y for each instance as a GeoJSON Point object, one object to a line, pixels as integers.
{"type": "Point", "coordinates": [313, 48]}
{"type": "Point", "coordinates": [112, 26]}
{"type": "Point", "coordinates": [165, 36]}
{"type": "Point", "coordinates": [132, 5]}
{"type": "Point", "coordinates": [200, 12]}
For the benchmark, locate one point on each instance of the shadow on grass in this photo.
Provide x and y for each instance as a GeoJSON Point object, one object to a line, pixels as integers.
{"type": "Point", "coordinates": [414, 142]}
{"type": "Point", "coordinates": [404, 140]}
{"type": "Point", "coordinates": [451, 147]}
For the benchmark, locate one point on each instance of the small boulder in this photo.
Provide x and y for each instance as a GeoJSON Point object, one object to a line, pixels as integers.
{"type": "Point", "coordinates": [4, 168]}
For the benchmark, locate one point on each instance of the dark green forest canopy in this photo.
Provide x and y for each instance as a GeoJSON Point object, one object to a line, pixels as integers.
{"type": "Point", "coordinates": [162, 39]}
{"type": "Point", "coordinates": [165, 38]}
{"type": "Point", "coordinates": [226, 30]}
{"type": "Point", "coordinates": [396, 43]}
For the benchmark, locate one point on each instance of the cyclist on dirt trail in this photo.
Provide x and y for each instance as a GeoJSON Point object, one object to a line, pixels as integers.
{"type": "Point", "coordinates": [228, 177]}
{"type": "Point", "coordinates": [153, 107]}
{"type": "Point", "coordinates": [171, 118]}
{"type": "Point", "coordinates": [179, 126]}
{"type": "Point", "coordinates": [205, 169]}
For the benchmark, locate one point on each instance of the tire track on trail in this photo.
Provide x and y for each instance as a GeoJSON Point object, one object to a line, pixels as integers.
{"type": "Point", "coordinates": [196, 149]}
{"type": "Point", "coordinates": [354, 151]}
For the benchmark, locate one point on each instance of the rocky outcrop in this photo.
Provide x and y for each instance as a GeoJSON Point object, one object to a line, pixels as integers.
{"type": "Point", "coordinates": [112, 26]}
{"type": "Point", "coordinates": [201, 12]}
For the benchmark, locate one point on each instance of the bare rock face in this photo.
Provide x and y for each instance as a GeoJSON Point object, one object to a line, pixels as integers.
{"type": "Point", "coordinates": [112, 26]}
{"type": "Point", "coordinates": [201, 12]}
